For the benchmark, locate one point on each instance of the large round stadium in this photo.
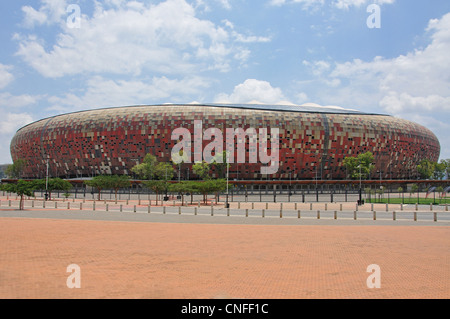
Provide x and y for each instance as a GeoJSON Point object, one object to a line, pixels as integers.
{"type": "Point", "coordinates": [313, 140]}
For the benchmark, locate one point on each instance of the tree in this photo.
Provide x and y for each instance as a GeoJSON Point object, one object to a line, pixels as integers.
{"type": "Point", "coordinates": [414, 188]}
{"type": "Point", "coordinates": [146, 169]}
{"type": "Point", "coordinates": [15, 170]}
{"type": "Point", "coordinates": [220, 164]}
{"type": "Point", "coordinates": [440, 190]}
{"type": "Point", "coordinates": [181, 188]}
{"type": "Point", "coordinates": [446, 163]}
{"type": "Point", "coordinates": [202, 170]}
{"type": "Point", "coordinates": [439, 170]}
{"type": "Point", "coordinates": [99, 182]}
{"type": "Point", "coordinates": [156, 186]}
{"type": "Point", "coordinates": [362, 163]}
{"type": "Point", "coordinates": [117, 182]}
{"type": "Point", "coordinates": [21, 188]}
{"type": "Point", "coordinates": [426, 169]}
{"type": "Point", "coordinates": [53, 185]}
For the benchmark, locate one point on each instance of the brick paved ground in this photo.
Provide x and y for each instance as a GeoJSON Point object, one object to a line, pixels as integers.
{"type": "Point", "coordinates": [158, 260]}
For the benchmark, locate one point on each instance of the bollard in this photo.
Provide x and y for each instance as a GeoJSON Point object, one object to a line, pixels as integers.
{"type": "Point", "coordinates": [267, 205]}
{"type": "Point", "coordinates": [356, 207]}
{"type": "Point", "coordinates": [371, 207]}
{"type": "Point", "coordinates": [246, 212]}
{"type": "Point", "coordinates": [253, 205]}
{"type": "Point", "coordinates": [228, 211]}
{"type": "Point", "coordinates": [174, 203]}
{"type": "Point", "coordinates": [281, 213]}
{"type": "Point", "coordinates": [179, 210]}
{"type": "Point", "coordinates": [195, 211]}
{"type": "Point", "coordinates": [394, 217]}
{"type": "Point", "coordinates": [127, 201]}
{"type": "Point", "coordinates": [107, 207]}
{"type": "Point", "coordinates": [93, 206]}
{"type": "Point", "coordinates": [326, 206]}
{"type": "Point", "coordinates": [43, 204]}
{"type": "Point", "coordinates": [387, 207]}
{"type": "Point", "coordinates": [139, 202]}
{"type": "Point", "coordinates": [239, 205]}
{"type": "Point", "coordinates": [295, 206]}
{"type": "Point", "coordinates": [318, 214]}
{"type": "Point", "coordinates": [84, 200]}
{"type": "Point", "coordinates": [212, 210]}
{"type": "Point", "coordinates": [340, 207]}
{"type": "Point", "coordinates": [134, 208]}
{"type": "Point", "coordinates": [335, 214]}
{"type": "Point", "coordinates": [310, 206]}
{"type": "Point", "coordinates": [417, 207]}
{"type": "Point", "coordinates": [68, 205]}
{"type": "Point", "coordinates": [374, 215]}
{"type": "Point", "coordinates": [431, 207]}
{"type": "Point", "coordinates": [198, 204]}
{"type": "Point", "coordinates": [415, 216]}
{"type": "Point", "coordinates": [120, 207]}
{"type": "Point", "coordinates": [446, 207]}
{"type": "Point", "coordinates": [263, 213]}
{"type": "Point", "coordinates": [32, 203]}
{"type": "Point", "coordinates": [401, 207]}
{"type": "Point", "coordinates": [148, 209]}
{"type": "Point", "coordinates": [56, 204]}
{"type": "Point", "coordinates": [81, 206]}
{"type": "Point", "coordinates": [164, 209]}
{"type": "Point", "coordinates": [435, 216]}
{"type": "Point", "coordinates": [355, 215]}
{"type": "Point", "coordinates": [298, 213]}
{"type": "Point", "coordinates": [281, 206]}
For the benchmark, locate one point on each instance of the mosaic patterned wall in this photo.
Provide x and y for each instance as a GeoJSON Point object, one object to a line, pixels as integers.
{"type": "Point", "coordinates": [112, 141]}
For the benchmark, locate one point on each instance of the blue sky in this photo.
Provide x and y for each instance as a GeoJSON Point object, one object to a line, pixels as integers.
{"type": "Point", "coordinates": [238, 51]}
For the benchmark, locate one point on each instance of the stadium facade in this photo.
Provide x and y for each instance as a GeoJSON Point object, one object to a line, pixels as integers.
{"type": "Point", "coordinates": [313, 140]}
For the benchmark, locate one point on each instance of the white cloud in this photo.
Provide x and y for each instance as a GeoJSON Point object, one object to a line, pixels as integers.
{"type": "Point", "coordinates": [10, 122]}
{"type": "Point", "coordinates": [14, 101]}
{"type": "Point", "coordinates": [132, 38]}
{"type": "Point", "coordinates": [50, 12]}
{"type": "Point", "coordinates": [414, 86]}
{"type": "Point", "coordinates": [339, 4]}
{"type": "Point", "coordinates": [252, 90]}
{"type": "Point", "coordinates": [6, 77]}
{"type": "Point", "coordinates": [101, 92]}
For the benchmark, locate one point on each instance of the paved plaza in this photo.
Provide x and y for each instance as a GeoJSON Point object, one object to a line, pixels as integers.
{"type": "Point", "coordinates": [127, 254]}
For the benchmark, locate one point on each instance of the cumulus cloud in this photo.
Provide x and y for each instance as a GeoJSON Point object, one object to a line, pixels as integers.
{"type": "Point", "coordinates": [252, 90]}
{"type": "Point", "coordinates": [101, 92]}
{"type": "Point", "coordinates": [50, 12]}
{"type": "Point", "coordinates": [6, 76]}
{"type": "Point", "coordinates": [339, 4]}
{"type": "Point", "coordinates": [10, 122]}
{"type": "Point", "coordinates": [132, 37]}
{"type": "Point", "coordinates": [414, 85]}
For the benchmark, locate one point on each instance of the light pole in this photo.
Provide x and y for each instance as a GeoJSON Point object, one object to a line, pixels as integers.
{"type": "Point", "coordinates": [46, 180]}
{"type": "Point", "coordinates": [227, 205]}
{"type": "Point", "coordinates": [360, 187]}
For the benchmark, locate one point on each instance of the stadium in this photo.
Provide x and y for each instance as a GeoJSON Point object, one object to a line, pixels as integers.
{"type": "Point", "coordinates": [313, 140]}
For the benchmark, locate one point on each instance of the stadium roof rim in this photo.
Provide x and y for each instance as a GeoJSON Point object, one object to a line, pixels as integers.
{"type": "Point", "coordinates": [305, 108]}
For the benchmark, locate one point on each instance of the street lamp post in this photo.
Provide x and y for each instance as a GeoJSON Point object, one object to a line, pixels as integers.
{"type": "Point", "coordinates": [46, 181]}
{"type": "Point", "coordinates": [227, 205]}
